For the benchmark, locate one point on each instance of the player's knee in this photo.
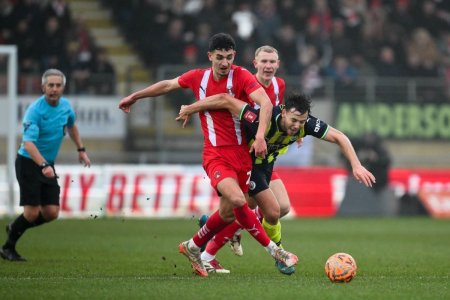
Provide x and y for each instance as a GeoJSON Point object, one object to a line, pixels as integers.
{"type": "Point", "coordinates": [50, 214]}
{"type": "Point", "coordinates": [284, 210]}
{"type": "Point", "coordinates": [272, 216]}
{"type": "Point", "coordinates": [238, 201]}
{"type": "Point", "coordinates": [31, 214]}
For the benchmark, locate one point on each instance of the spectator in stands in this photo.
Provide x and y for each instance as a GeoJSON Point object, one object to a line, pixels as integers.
{"type": "Point", "coordinates": [340, 43]}
{"type": "Point", "coordinates": [375, 157]}
{"type": "Point", "coordinates": [311, 78]}
{"type": "Point", "coordinates": [60, 10]}
{"type": "Point", "coordinates": [201, 40]}
{"type": "Point", "coordinates": [268, 21]}
{"type": "Point", "coordinates": [387, 65]}
{"type": "Point", "coordinates": [422, 54]}
{"type": "Point", "coordinates": [26, 44]}
{"type": "Point", "coordinates": [171, 44]}
{"type": "Point", "coordinates": [344, 76]}
{"type": "Point", "coordinates": [103, 74]}
{"type": "Point", "coordinates": [245, 20]}
{"type": "Point", "coordinates": [52, 45]}
{"type": "Point", "coordinates": [362, 67]}
{"type": "Point", "coordinates": [7, 21]}
{"type": "Point", "coordinates": [286, 42]}
{"type": "Point", "coordinates": [401, 14]}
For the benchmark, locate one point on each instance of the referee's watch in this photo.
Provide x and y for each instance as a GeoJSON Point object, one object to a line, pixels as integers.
{"type": "Point", "coordinates": [81, 149]}
{"type": "Point", "coordinates": [44, 165]}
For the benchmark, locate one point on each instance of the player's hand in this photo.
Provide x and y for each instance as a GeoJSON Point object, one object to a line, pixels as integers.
{"type": "Point", "coordinates": [259, 146]}
{"type": "Point", "coordinates": [126, 103]}
{"type": "Point", "coordinates": [185, 120]}
{"type": "Point", "coordinates": [84, 159]}
{"type": "Point", "coordinates": [364, 176]}
{"type": "Point", "coordinates": [184, 115]}
{"type": "Point", "coordinates": [48, 172]}
{"type": "Point", "coordinates": [299, 142]}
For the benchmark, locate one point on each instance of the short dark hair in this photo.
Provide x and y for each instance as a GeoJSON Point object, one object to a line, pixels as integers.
{"type": "Point", "coordinates": [221, 41]}
{"type": "Point", "coordinates": [299, 101]}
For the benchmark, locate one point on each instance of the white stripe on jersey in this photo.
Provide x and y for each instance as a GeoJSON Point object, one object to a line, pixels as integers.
{"type": "Point", "coordinates": [236, 120]}
{"type": "Point", "coordinates": [209, 120]}
{"type": "Point", "coordinates": [276, 90]}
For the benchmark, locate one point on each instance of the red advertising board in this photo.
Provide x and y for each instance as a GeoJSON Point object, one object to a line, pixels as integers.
{"type": "Point", "coordinates": [319, 191]}
{"type": "Point", "coordinates": [184, 191]}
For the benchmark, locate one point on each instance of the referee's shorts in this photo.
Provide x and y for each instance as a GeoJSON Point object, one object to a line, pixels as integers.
{"type": "Point", "coordinates": [35, 188]}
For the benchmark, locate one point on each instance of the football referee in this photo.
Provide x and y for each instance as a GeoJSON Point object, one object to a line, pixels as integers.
{"type": "Point", "coordinates": [45, 124]}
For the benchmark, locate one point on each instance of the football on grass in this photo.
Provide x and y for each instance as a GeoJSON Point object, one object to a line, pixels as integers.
{"type": "Point", "coordinates": [340, 267]}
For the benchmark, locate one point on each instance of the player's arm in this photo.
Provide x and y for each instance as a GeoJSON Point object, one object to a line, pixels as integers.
{"type": "Point", "coordinates": [75, 137]}
{"type": "Point", "coordinates": [37, 157]}
{"type": "Point", "coordinates": [359, 172]}
{"type": "Point", "coordinates": [215, 102]}
{"type": "Point", "coordinates": [260, 97]}
{"type": "Point", "coordinates": [157, 89]}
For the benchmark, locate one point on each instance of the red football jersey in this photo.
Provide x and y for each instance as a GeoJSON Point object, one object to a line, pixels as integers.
{"type": "Point", "coordinates": [219, 127]}
{"type": "Point", "coordinates": [275, 91]}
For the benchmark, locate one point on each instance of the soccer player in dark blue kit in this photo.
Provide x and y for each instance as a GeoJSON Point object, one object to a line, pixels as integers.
{"type": "Point", "coordinates": [289, 123]}
{"type": "Point", "coordinates": [45, 124]}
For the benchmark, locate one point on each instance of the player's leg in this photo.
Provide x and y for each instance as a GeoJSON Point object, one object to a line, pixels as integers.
{"type": "Point", "coordinates": [16, 229]}
{"type": "Point", "coordinates": [245, 216]}
{"type": "Point", "coordinates": [271, 211]}
{"type": "Point", "coordinates": [191, 248]}
{"type": "Point", "coordinates": [278, 188]}
{"type": "Point", "coordinates": [208, 256]}
{"type": "Point", "coordinates": [269, 207]}
{"type": "Point", "coordinates": [217, 171]}
{"type": "Point", "coordinates": [266, 201]}
{"type": "Point", "coordinates": [36, 192]}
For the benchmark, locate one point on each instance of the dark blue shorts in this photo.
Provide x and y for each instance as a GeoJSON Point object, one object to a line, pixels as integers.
{"type": "Point", "coordinates": [260, 179]}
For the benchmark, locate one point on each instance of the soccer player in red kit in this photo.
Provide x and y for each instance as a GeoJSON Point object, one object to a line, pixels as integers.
{"type": "Point", "coordinates": [226, 158]}
{"type": "Point", "coordinates": [272, 208]}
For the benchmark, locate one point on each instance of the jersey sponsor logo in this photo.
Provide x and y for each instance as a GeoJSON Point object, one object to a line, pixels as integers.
{"type": "Point", "coordinates": [317, 128]}
{"type": "Point", "coordinates": [250, 116]}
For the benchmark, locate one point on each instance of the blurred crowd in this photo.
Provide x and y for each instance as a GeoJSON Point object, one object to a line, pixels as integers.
{"type": "Point", "coordinates": [339, 39]}
{"type": "Point", "coordinates": [48, 36]}
{"type": "Point", "coordinates": [344, 40]}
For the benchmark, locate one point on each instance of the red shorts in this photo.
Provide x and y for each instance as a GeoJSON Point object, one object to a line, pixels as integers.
{"type": "Point", "coordinates": [275, 176]}
{"type": "Point", "coordinates": [228, 161]}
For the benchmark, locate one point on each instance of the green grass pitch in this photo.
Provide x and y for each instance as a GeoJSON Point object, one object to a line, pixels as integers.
{"type": "Point", "coordinates": [398, 258]}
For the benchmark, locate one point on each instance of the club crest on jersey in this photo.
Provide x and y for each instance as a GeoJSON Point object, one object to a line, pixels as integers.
{"type": "Point", "coordinates": [217, 174]}
{"type": "Point", "coordinates": [251, 185]}
{"type": "Point", "coordinates": [250, 116]}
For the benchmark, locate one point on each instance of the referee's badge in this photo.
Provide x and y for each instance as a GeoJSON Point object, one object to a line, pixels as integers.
{"type": "Point", "coordinates": [26, 125]}
{"type": "Point", "coordinates": [250, 116]}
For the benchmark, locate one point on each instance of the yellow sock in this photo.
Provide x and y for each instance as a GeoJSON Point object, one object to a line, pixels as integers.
{"type": "Point", "coordinates": [273, 231]}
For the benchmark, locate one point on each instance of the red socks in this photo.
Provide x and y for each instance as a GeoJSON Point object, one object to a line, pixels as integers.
{"type": "Point", "coordinates": [247, 218]}
{"type": "Point", "coordinates": [213, 225]}
{"type": "Point", "coordinates": [222, 238]}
